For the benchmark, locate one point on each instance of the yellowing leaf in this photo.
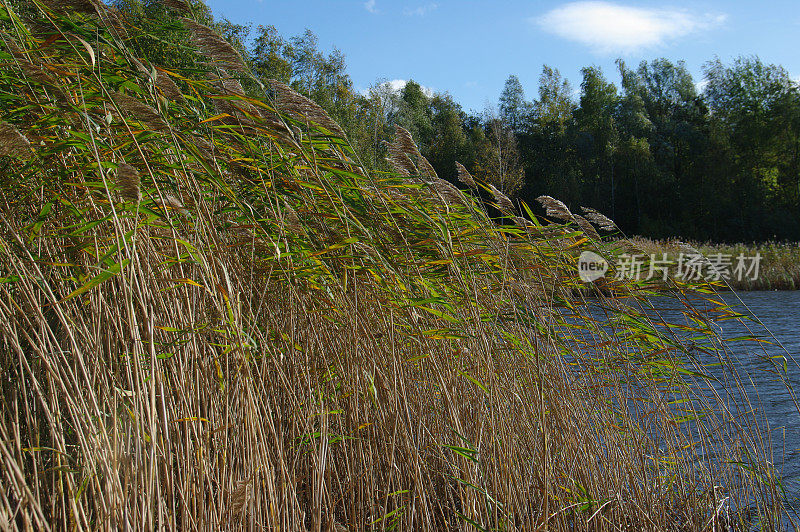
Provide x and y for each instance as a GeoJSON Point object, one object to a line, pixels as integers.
{"type": "Point", "coordinates": [105, 275]}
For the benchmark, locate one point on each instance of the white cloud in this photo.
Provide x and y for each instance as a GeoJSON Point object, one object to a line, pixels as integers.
{"type": "Point", "coordinates": [420, 11]}
{"type": "Point", "coordinates": [369, 5]}
{"type": "Point", "coordinates": [614, 28]}
{"type": "Point", "coordinates": [396, 85]}
{"type": "Point", "coordinates": [700, 86]}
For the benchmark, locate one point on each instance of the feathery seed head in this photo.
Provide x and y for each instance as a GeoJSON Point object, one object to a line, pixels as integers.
{"type": "Point", "coordinates": [178, 5]}
{"type": "Point", "coordinates": [128, 182]}
{"type": "Point", "coordinates": [293, 102]}
{"type": "Point", "coordinates": [140, 111]}
{"type": "Point", "coordinates": [586, 227]}
{"type": "Point", "coordinates": [214, 46]}
{"type": "Point", "coordinates": [168, 87]}
{"type": "Point", "coordinates": [555, 208]}
{"type": "Point", "coordinates": [14, 143]}
{"type": "Point", "coordinates": [602, 221]}
{"type": "Point", "coordinates": [502, 200]}
{"type": "Point", "coordinates": [464, 176]}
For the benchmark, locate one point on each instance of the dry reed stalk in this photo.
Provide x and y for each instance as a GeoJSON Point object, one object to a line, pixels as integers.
{"type": "Point", "coordinates": [196, 413]}
{"type": "Point", "coordinates": [602, 221]}
{"type": "Point", "coordinates": [215, 46]}
{"type": "Point", "coordinates": [464, 176]}
{"type": "Point", "coordinates": [555, 208]}
{"type": "Point", "coordinates": [129, 182]}
{"type": "Point", "coordinates": [13, 143]}
{"type": "Point", "coordinates": [139, 111]}
{"type": "Point", "coordinates": [293, 102]}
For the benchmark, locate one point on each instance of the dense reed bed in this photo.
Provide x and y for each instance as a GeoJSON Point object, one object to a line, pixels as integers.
{"type": "Point", "coordinates": [212, 317]}
{"type": "Point", "coordinates": [779, 262]}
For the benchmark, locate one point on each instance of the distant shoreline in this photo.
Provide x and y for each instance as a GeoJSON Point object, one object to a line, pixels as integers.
{"type": "Point", "coordinates": [778, 268]}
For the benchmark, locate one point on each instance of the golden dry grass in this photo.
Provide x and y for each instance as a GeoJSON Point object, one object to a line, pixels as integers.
{"type": "Point", "coordinates": [217, 321]}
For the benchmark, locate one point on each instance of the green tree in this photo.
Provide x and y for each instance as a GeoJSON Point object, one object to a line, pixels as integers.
{"type": "Point", "coordinates": [596, 138]}
{"type": "Point", "coordinates": [754, 108]}
{"type": "Point", "coordinates": [269, 61]}
{"type": "Point", "coordinates": [415, 114]}
{"type": "Point", "coordinates": [554, 106]}
{"type": "Point", "coordinates": [497, 158]}
{"type": "Point", "coordinates": [449, 141]}
{"type": "Point", "coordinates": [514, 110]}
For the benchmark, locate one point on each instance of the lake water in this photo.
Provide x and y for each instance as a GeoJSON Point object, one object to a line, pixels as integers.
{"type": "Point", "coordinates": [774, 318]}
{"type": "Point", "coordinates": [780, 314]}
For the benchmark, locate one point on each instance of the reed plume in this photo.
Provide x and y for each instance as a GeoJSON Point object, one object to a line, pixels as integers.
{"type": "Point", "coordinates": [167, 87]}
{"type": "Point", "coordinates": [555, 208]}
{"type": "Point", "coordinates": [464, 176]}
{"type": "Point", "coordinates": [503, 201]}
{"type": "Point", "coordinates": [531, 227]}
{"type": "Point", "coordinates": [291, 217]}
{"type": "Point", "coordinates": [399, 161]}
{"type": "Point", "coordinates": [405, 157]}
{"type": "Point", "coordinates": [178, 5]}
{"type": "Point", "coordinates": [405, 142]}
{"type": "Point", "coordinates": [139, 111]}
{"type": "Point", "coordinates": [215, 46]}
{"type": "Point", "coordinates": [602, 221]}
{"type": "Point", "coordinates": [295, 103]}
{"type": "Point", "coordinates": [34, 72]}
{"type": "Point", "coordinates": [232, 87]}
{"type": "Point", "coordinates": [13, 143]}
{"type": "Point", "coordinates": [446, 191]}
{"type": "Point", "coordinates": [240, 496]}
{"type": "Point", "coordinates": [170, 201]}
{"type": "Point", "coordinates": [129, 182]}
{"type": "Point", "coordinates": [162, 81]}
{"type": "Point", "coordinates": [426, 168]}
{"type": "Point", "coordinates": [69, 6]}
{"type": "Point", "coordinates": [112, 19]}
{"type": "Point", "coordinates": [586, 227]}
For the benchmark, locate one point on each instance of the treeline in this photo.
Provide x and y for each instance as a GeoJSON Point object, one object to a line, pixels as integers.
{"type": "Point", "coordinates": [658, 155]}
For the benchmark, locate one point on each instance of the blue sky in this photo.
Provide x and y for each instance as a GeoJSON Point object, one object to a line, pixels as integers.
{"type": "Point", "coordinates": [469, 47]}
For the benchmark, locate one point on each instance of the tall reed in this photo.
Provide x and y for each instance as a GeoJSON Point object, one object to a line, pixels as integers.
{"type": "Point", "coordinates": [216, 320]}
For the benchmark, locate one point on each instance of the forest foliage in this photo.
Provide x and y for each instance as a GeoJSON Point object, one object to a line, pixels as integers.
{"type": "Point", "coordinates": [667, 155]}
{"type": "Point", "coordinates": [224, 306]}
